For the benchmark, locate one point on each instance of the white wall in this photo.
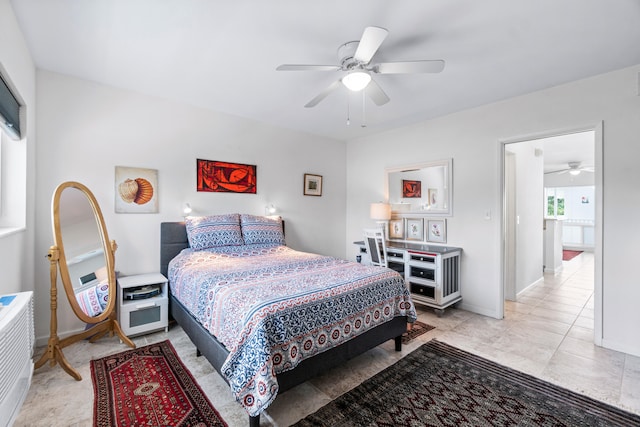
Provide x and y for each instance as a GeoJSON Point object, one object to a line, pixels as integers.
{"type": "Point", "coordinates": [16, 249]}
{"type": "Point", "coordinates": [529, 213]}
{"type": "Point", "coordinates": [87, 129]}
{"type": "Point", "coordinates": [473, 137]}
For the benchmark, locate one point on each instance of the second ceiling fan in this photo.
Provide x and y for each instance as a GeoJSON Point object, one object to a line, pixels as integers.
{"type": "Point", "coordinates": [354, 59]}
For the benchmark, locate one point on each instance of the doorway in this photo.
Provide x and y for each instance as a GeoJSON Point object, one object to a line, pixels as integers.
{"type": "Point", "coordinates": [527, 163]}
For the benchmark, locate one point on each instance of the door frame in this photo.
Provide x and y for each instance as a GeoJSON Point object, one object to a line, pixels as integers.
{"type": "Point", "coordinates": [598, 129]}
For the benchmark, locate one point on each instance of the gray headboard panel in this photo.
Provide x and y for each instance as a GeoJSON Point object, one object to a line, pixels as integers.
{"type": "Point", "coordinates": [173, 239]}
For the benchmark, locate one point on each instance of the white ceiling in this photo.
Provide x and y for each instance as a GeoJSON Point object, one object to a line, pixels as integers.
{"type": "Point", "coordinates": [222, 55]}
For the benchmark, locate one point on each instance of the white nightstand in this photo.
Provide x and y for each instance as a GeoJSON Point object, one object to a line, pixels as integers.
{"type": "Point", "coordinates": [143, 315]}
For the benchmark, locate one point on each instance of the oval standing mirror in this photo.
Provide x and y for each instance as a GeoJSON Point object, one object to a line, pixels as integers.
{"type": "Point", "coordinates": [84, 255]}
{"type": "Point", "coordinates": [83, 248]}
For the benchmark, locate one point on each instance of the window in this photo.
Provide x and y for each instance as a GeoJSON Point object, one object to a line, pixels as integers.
{"type": "Point", "coordinates": [13, 157]}
{"type": "Point", "coordinates": [555, 203]}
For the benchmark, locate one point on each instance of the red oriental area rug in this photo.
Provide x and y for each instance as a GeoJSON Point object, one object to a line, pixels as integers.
{"type": "Point", "coordinates": [149, 386]}
{"type": "Point", "coordinates": [568, 255]}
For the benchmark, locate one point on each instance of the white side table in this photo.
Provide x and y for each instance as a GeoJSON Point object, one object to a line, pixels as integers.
{"type": "Point", "coordinates": [144, 315]}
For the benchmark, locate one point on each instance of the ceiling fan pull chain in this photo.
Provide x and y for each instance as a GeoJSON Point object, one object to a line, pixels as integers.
{"type": "Point", "coordinates": [348, 111]}
{"type": "Point", "coordinates": [364, 116]}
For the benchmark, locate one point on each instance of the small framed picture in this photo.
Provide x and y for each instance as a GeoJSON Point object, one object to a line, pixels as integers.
{"type": "Point", "coordinates": [415, 229]}
{"type": "Point", "coordinates": [437, 230]}
{"type": "Point", "coordinates": [433, 197]}
{"type": "Point", "coordinates": [312, 185]}
{"type": "Point", "coordinates": [396, 229]}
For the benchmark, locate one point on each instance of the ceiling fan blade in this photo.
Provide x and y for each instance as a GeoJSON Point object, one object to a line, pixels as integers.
{"type": "Point", "coordinates": [406, 67]}
{"type": "Point", "coordinates": [322, 95]}
{"type": "Point", "coordinates": [559, 171]}
{"type": "Point", "coordinates": [301, 67]}
{"type": "Point", "coordinates": [371, 39]}
{"type": "Point", "coordinates": [376, 93]}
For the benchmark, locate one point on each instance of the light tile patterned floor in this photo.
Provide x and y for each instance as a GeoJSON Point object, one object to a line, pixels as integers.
{"type": "Point", "coordinates": [547, 333]}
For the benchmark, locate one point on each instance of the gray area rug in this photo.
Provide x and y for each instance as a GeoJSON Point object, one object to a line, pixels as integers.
{"type": "Point", "coordinates": [440, 385]}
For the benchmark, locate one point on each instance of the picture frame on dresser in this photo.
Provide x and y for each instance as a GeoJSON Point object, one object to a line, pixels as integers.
{"type": "Point", "coordinates": [396, 229]}
{"type": "Point", "coordinates": [437, 230]}
{"type": "Point", "coordinates": [414, 229]}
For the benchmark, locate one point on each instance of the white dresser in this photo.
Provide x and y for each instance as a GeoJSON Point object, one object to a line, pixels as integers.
{"type": "Point", "coordinates": [431, 272]}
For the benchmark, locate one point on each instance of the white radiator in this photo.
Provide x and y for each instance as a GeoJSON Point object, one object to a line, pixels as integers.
{"type": "Point", "coordinates": [17, 339]}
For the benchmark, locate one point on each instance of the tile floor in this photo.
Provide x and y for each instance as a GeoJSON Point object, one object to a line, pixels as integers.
{"type": "Point", "coordinates": [546, 333]}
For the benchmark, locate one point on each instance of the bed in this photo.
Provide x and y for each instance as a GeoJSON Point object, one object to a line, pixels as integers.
{"type": "Point", "coordinates": [267, 317]}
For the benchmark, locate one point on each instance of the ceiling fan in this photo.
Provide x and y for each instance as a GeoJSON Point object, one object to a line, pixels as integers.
{"type": "Point", "coordinates": [573, 168]}
{"type": "Point", "coordinates": [354, 59]}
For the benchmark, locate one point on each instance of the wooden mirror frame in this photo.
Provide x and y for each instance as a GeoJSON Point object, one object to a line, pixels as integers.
{"type": "Point", "coordinates": [109, 247]}
{"type": "Point", "coordinates": [105, 322]}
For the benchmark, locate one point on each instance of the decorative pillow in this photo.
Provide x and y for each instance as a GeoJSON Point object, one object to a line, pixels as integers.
{"type": "Point", "coordinates": [261, 229]}
{"type": "Point", "coordinates": [210, 231]}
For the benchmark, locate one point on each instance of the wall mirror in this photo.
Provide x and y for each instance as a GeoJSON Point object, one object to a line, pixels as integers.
{"type": "Point", "coordinates": [84, 256]}
{"type": "Point", "coordinates": [421, 189]}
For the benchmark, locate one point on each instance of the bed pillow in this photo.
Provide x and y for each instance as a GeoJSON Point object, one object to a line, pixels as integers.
{"type": "Point", "coordinates": [212, 231]}
{"type": "Point", "coordinates": [261, 229]}
{"type": "Point", "coordinates": [89, 301]}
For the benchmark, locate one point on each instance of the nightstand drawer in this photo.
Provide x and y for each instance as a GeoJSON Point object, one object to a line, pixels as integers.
{"type": "Point", "coordinates": [144, 315]}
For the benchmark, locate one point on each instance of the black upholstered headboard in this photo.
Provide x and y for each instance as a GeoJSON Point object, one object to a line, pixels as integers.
{"type": "Point", "coordinates": [173, 239]}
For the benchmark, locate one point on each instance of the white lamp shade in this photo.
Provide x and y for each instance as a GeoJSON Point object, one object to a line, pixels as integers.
{"type": "Point", "coordinates": [380, 211]}
{"type": "Point", "coordinates": [356, 80]}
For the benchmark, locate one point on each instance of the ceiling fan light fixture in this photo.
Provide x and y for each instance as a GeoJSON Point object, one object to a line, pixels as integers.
{"type": "Point", "coordinates": [356, 80]}
{"type": "Point", "coordinates": [574, 172]}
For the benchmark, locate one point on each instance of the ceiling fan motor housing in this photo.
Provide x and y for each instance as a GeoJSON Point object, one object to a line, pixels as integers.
{"type": "Point", "coordinates": [574, 165]}
{"type": "Point", "coordinates": [346, 52]}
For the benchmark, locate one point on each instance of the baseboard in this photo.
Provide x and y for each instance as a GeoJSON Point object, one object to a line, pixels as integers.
{"type": "Point", "coordinates": [540, 280]}
{"type": "Point", "coordinates": [633, 350]}
{"type": "Point", "coordinates": [43, 341]}
{"type": "Point", "coordinates": [480, 310]}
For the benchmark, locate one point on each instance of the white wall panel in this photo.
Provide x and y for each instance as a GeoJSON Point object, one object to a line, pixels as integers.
{"type": "Point", "coordinates": [87, 129]}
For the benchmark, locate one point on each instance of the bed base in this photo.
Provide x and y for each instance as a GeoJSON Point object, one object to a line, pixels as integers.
{"type": "Point", "coordinates": [173, 238]}
{"type": "Point", "coordinates": [216, 353]}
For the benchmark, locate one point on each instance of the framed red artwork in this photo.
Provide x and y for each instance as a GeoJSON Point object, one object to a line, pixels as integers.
{"type": "Point", "coordinates": [225, 177]}
{"type": "Point", "coordinates": [411, 189]}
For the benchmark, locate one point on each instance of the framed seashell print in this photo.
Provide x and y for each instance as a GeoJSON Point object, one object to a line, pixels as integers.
{"type": "Point", "coordinates": [136, 190]}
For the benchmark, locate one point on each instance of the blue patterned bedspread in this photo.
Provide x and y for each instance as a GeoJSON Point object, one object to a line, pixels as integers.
{"type": "Point", "coordinates": [272, 307]}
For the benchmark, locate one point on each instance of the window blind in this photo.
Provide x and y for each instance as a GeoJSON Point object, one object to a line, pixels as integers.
{"type": "Point", "coordinates": [9, 111]}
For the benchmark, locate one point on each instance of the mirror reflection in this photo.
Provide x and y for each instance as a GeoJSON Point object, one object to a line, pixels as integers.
{"type": "Point", "coordinates": [421, 189]}
{"type": "Point", "coordinates": [84, 252]}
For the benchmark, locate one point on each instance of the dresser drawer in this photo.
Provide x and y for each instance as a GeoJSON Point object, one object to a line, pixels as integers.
{"type": "Point", "coordinates": [423, 290]}
{"type": "Point", "coordinates": [431, 259]}
{"type": "Point", "coordinates": [422, 273]}
{"type": "Point", "coordinates": [396, 266]}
